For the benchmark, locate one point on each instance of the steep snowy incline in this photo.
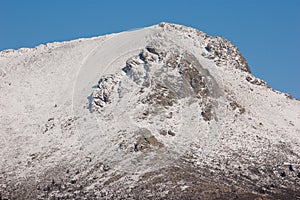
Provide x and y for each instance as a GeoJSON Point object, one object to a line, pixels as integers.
{"type": "Point", "coordinates": [103, 60]}
{"type": "Point", "coordinates": [161, 112]}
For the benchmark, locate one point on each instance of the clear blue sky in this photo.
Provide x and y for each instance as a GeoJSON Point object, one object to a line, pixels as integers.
{"type": "Point", "coordinates": [266, 31]}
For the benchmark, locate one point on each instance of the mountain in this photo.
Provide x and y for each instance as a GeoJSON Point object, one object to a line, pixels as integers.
{"type": "Point", "coordinates": [164, 112]}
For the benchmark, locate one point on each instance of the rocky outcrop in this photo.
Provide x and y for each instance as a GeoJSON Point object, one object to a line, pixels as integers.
{"type": "Point", "coordinates": [161, 96]}
{"type": "Point", "coordinates": [218, 49]}
{"type": "Point", "coordinates": [224, 53]}
{"type": "Point", "coordinates": [146, 141]}
{"type": "Point", "coordinates": [256, 81]}
{"type": "Point", "coordinates": [169, 77]}
{"type": "Point", "coordinates": [102, 95]}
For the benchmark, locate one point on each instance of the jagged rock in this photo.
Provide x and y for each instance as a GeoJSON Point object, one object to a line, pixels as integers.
{"type": "Point", "coordinates": [256, 81]}
{"type": "Point", "coordinates": [153, 50]}
{"type": "Point", "coordinates": [190, 79]}
{"type": "Point", "coordinates": [192, 76]}
{"type": "Point", "coordinates": [146, 141]}
{"type": "Point", "coordinates": [170, 132]}
{"type": "Point", "coordinates": [224, 53]}
{"type": "Point", "coordinates": [102, 95]}
{"type": "Point", "coordinates": [207, 113]}
{"type": "Point", "coordinates": [235, 106]}
{"type": "Point", "coordinates": [162, 96]}
{"type": "Point", "coordinates": [163, 132]}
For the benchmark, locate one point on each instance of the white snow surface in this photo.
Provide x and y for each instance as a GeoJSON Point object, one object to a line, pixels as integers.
{"type": "Point", "coordinates": [45, 120]}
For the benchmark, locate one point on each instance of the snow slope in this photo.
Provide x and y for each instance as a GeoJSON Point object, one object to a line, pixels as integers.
{"type": "Point", "coordinates": [161, 112]}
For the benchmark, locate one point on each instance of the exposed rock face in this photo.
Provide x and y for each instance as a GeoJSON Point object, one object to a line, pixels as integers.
{"type": "Point", "coordinates": [146, 141]}
{"type": "Point", "coordinates": [165, 112]}
{"type": "Point", "coordinates": [224, 53]}
{"type": "Point", "coordinates": [103, 94]}
{"type": "Point", "coordinates": [162, 78]}
{"type": "Point", "coordinates": [256, 81]}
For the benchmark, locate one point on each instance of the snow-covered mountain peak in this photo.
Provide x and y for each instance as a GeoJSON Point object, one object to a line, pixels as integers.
{"type": "Point", "coordinates": [161, 112]}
